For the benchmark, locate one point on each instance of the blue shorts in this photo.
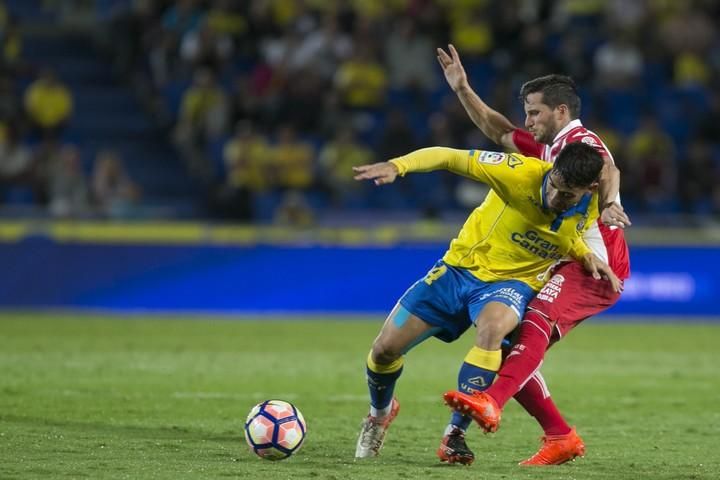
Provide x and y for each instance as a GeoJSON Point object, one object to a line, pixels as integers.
{"type": "Point", "coordinates": [451, 298]}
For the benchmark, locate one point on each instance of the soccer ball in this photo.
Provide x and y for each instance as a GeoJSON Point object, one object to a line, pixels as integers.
{"type": "Point", "coordinates": [275, 429]}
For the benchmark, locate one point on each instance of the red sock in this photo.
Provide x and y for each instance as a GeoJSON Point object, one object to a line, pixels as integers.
{"type": "Point", "coordinates": [524, 358]}
{"type": "Point", "coordinates": [535, 398]}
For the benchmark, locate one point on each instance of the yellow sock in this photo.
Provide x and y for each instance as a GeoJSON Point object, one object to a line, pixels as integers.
{"type": "Point", "coordinates": [485, 359]}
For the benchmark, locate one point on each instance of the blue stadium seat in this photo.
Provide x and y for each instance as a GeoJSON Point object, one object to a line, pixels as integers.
{"type": "Point", "coordinates": [622, 108]}
{"type": "Point", "coordinates": [264, 206]}
{"type": "Point", "coordinates": [172, 92]}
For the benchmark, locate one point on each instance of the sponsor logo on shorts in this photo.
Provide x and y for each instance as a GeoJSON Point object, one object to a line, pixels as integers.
{"type": "Point", "coordinates": [507, 293]}
{"type": "Point", "coordinates": [552, 289]}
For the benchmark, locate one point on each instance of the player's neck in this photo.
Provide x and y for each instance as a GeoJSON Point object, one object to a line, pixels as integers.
{"type": "Point", "coordinates": [563, 127]}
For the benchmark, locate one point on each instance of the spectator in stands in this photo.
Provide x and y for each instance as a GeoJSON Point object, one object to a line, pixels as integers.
{"type": "Point", "coordinates": [279, 51]}
{"type": "Point", "coordinates": [471, 32]}
{"type": "Point", "coordinates": [67, 188]}
{"type": "Point", "coordinates": [295, 62]}
{"type": "Point", "coordinates": [651, 164]}
{"type": "Point", "coordinates": [203, 109]}
{"type": "Point", "coordinates": [48, 104]}
{"type": "Point", "coordinates": [10, 46]}
{"type": "Point", "coordinates": [687, 29]}
{"type": "Point", "coordinates": [204, 48]}
{"type": "Point", "coordinates": [4, 14]}
{"type": "Point", "coordinates": [294, 211]}
{"type": "Point", "coordinates": [691, 69]}
{"type": "Point", "coordinates": [336, 161]}
{"type": "Point", "coordinates": [16, 159]}
{"type": "Point", "coordinates": [203, 117]}
{"type": "Point", "coordinates": [113, 191]}
{"type": "Point", "coordinates": [322, 50]}
{"type": "Point", "coordinates": [293, 161]}
{"type": "Point", "coordinates": [618, 62]}
{"type": "Point", "coordinates": [362, 80]}
{"type": "Point", "coordinates": [409, 56]}
{"type": "Point", "coordinates": [181, 17]}
{"type": "Point", "coordinates": [247, 160]}
{"type": "Point", "coordinates": [248, 172]}
{"type": "Point", "coordinates": [226, 20]}
{"type": "Point", "coordinates": [626, 15]}
{"type": "Point", "coordinates": [577, 13]}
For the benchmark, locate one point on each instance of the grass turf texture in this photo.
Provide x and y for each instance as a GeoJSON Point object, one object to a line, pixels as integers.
{"type": "Point", "coordinates": [166, 398]}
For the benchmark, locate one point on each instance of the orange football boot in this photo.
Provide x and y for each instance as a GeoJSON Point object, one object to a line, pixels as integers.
{"type": "Point", "coordinates": [480, 406]}
{"type": "Point", "coordinates": [557, 449]}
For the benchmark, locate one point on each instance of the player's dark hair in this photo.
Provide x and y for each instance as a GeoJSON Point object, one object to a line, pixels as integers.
{"type": "Point", "coordinates": [556, 90]}
{"type": "Point", "coordinates": [579, 165]}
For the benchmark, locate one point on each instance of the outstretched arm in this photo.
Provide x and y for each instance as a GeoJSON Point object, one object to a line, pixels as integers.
{"type": "Point", "coordinates": [493, 124]}
{"type": "Point", "coordinates": [490, 168]}
{"type": "Point", "coordinates": [423, 160]}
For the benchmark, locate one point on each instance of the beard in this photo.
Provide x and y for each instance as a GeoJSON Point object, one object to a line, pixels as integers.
{"type": "Point", "coordinates": [550, 133]}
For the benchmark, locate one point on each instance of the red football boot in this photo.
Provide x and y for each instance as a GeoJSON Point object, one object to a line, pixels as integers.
{"type": "Point", "coordinates": [480, 406]}
{"type": "Point", "coordinates": [557, 449]}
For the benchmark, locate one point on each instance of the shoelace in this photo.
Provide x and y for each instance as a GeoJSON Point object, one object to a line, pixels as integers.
{"type": "Point", "coordinates": [370, 436]}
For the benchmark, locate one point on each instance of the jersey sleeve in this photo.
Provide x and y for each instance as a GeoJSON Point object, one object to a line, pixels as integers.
{"type": "Point", "coordinates": [509, 174]}
{"type": "Point", "coordinates": [526, 144]}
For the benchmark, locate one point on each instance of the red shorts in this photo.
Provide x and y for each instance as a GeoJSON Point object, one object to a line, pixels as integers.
{"type": "Point", "coordinates": [570, 296]}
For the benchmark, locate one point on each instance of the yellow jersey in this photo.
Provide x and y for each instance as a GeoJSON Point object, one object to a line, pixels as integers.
{"type": "Point", "coordinates": [511, 236]}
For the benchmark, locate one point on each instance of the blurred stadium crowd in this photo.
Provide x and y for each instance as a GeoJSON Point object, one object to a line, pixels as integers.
{"type": "Point", "coordinates": [255, 110]}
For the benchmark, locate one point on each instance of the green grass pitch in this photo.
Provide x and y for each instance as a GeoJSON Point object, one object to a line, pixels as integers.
{"type": "Point", "coordinates": [111, 397]}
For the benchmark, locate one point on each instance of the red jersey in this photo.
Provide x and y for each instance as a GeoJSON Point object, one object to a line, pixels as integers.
{"type": "Point", "coordinates": [606, 242]}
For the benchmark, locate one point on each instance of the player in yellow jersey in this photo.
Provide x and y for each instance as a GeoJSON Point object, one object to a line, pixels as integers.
{"type": "Point", "coordinates": [535, 215]}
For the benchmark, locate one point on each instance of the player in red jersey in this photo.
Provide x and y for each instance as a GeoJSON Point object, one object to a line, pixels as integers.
{"type": "Point", "coordinates": [552, 108]}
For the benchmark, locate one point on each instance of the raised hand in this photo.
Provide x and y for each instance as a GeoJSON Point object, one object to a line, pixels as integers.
{"type": "Point", "coordinates": [381, 173]}
{"type": "Point", "coordinates": [452, 68]}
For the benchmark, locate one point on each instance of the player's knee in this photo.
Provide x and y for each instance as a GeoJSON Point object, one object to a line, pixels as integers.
{"type": "Point", "coordinates": [492, 329]}
{"type": "Point", "coordinates": [384, 352]}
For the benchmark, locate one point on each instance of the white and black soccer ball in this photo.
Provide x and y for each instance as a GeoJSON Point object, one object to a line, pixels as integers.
{"type": "Point", "coordinates": [275, 429]}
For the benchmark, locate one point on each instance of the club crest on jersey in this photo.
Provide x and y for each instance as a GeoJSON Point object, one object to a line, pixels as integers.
{"type": "Point", "coordinates": [590, 141]}
{"type": "Point", "coordinates": [491, 158]}
{"type": "Point", "coordinates": [581, 224]}
{"type": "Point", "coordinates": [514, 161]}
